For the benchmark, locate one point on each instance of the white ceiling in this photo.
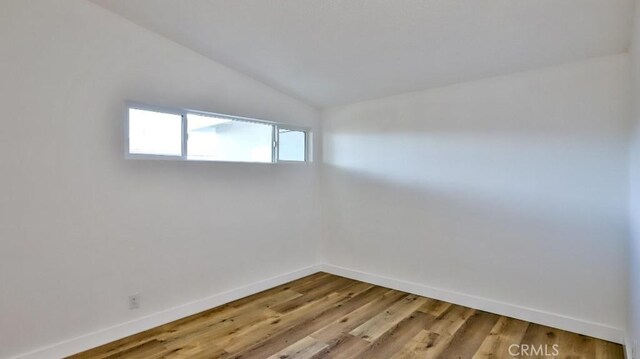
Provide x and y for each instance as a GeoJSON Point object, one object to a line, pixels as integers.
{"type": "Point", "coordinates": [333, 52]}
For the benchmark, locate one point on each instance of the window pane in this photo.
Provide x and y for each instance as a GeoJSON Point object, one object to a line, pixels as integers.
{"type": "Point", "coordinates": [155, 133]}
{"type": "Point", "coordinates": [291, 145]}
{"type": "Point", "coordinates": [222, 139]}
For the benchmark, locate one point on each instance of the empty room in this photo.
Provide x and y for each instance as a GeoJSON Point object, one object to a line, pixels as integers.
{"type": "Point", "coordinates": [310, 179]}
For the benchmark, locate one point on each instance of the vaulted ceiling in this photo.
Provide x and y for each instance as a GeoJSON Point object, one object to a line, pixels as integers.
{"type": "Point", "coordinates": [333, 52]}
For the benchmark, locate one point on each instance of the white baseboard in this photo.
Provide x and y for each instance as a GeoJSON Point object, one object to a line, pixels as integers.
{"type": "Point", "coordinates": [575, 325]}
{"type": "Point", "coordinates": [126, 329]}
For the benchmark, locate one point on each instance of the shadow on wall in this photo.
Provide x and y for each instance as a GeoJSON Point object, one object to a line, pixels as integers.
{"type": "Point", "coordinates": [519, 218]}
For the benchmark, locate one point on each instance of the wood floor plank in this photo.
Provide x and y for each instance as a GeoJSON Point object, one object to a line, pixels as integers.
{"type": "Point", "coordinates": [394, 339]}
{"type": "Point", "coordinates": [378, 325]}
{"type": "Point", "coordinates": [467, 340]}
{"type": "Point", "coordinates": [247, 337]}
{"type": "Point", "coordinates": [305, 348]}
{"type": "Point", "coordinates": [343, 346]}
{"type": "Point", "coordinates": [357, 295]}
{"type": "Point", "coordinates": [608, 350]}
{"type": "Point", "coordinates": [435, 307]}
{"type": "Point", "coordinates": [311, 283]}
{"type": "Point", "coordinates": [416, 347]}
{"type": "Point", "coordinates": [320, 290]}
{"type": "Point", "coordinates": [144, 350]}
{"type": "Point", "coordinates": [354, 319]}
{"type": "Point", "coordinates": [505, 332]}
{"type": "Point", "coordinates": [202, 352]}
{"type": "Point", "coordinates": [323, 316]}
{"type": "Point", "coordinates": [444, 329]}
{"type": "Point", "coordinates": [230, 320]}
{"type": "Point", "coordinates": [539, 340]}
{"type": "Point", "coordinates": [296, 286]}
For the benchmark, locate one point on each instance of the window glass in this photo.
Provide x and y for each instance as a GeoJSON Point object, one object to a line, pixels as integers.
{"type": "Point", "coordinates": [155, 133]}
{"type": "Point", "coordinates": [292, 145]}
{"type": "Point", "coordinates": [212, 138]}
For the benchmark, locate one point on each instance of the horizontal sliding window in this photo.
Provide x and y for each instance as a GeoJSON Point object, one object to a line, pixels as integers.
{"type": "Point", "coordinates": [200, 136]}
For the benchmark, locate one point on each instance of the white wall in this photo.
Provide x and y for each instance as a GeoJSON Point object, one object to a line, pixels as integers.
{"type": "Point", "coordinates": [633, 329]}
{"type": "Point", "coordinates": [511, 189]}
{"type": "Point", "coordinates": [80, 227]}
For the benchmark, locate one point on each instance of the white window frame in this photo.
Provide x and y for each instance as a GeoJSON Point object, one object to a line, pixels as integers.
{"type": "Point", "coordinates": [183, 112]}
{"type": "Point", "coordinates": [307, 139]}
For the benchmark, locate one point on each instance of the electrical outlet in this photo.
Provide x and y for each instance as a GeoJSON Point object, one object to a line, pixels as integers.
{"type": "Point", "coordinates": [134, 301]}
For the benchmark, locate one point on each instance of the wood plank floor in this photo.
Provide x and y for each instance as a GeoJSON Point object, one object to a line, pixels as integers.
{"type": "Point", "coordinates": [326, 316]}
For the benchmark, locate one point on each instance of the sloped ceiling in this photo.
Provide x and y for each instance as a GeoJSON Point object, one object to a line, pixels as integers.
{"type": "Point", "coordinates": [333, 52]}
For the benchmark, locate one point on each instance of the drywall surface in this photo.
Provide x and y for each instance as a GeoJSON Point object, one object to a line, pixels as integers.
{"type": "Point", "coordinates": [81, 228]}
{"type": "Point", "coordinates": [633, 329]}
{"type": "Point", "coordinates": [512, 189]}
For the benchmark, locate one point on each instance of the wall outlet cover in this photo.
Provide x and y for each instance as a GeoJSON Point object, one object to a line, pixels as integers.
{"type": "Point", "coordinates": [134, 301]}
